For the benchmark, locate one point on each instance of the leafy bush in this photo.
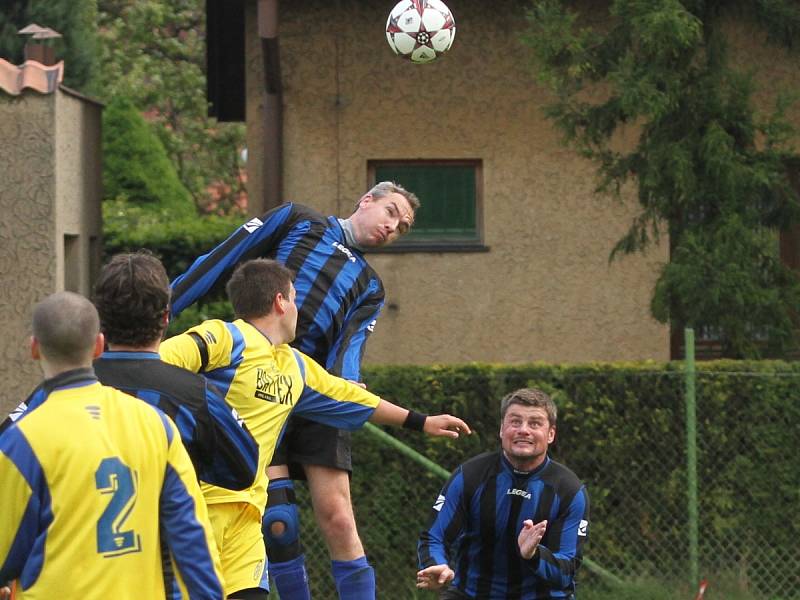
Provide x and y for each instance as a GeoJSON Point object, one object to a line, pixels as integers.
{"type": "Point", "coordinates": [178, 241]}
{"type": "Point", "coordinates": [197, 313]}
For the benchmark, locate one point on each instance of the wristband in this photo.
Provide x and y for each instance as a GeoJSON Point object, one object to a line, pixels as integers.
{"type": "Point", "coordinates": [415, 421]}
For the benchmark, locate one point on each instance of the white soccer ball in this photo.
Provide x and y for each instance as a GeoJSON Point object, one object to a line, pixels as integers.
{"type": "Point", "coordinates": [420, 30]}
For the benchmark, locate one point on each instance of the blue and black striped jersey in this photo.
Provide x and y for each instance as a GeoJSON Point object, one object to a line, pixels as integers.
{"type": "Point", "coordinates": [339, 296]}
{"type": "Point", "coordinates": [479, 515]}
{"type": "Point", "coordinates": [222, 450]}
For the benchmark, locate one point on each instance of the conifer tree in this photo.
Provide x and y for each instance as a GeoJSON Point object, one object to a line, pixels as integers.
{"type": "Point", "coordinates": [136, 167]}
{"type": "Point", "coordinates": [708, 168]}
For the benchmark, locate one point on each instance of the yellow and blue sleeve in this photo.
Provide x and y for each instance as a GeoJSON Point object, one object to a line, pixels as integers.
{"type": "Point", "coordinates": [186, 527]}
{"type": "Point", "coordinates": [204, 347]}
{"type": "Point", "coordinates": [27, 508]}
{"type": "Point", "coordinates": [332, 400]}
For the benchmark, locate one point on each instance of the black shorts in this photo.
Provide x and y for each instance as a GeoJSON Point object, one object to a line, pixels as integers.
{"type": "Point", "coordinates": [309, 443]}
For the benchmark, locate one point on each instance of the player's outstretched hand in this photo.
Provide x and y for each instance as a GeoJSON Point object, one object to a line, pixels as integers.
{"type": "Point", "coordinates": [5, 592]}
{"type": "Point", "coordinates": [446, 426]}
{"type": "Point", "coordinates": [529, 537]}
{"type": "Point", "coordinates": [435, 577]}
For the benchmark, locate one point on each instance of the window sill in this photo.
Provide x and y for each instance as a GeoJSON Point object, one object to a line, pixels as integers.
{"type": "Point", "coordinates": [430, 246]}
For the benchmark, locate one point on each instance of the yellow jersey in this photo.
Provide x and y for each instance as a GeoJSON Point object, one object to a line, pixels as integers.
{"type": "Point", "coordinates": [265, 384]}
{"type": "Point", "coordinates": [99, 500]}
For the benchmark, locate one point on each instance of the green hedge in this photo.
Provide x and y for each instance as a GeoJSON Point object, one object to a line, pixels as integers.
{"type": "Point", "coordinates": [622, 430]}
{"type": "Point", "coordinates": [178, 241]}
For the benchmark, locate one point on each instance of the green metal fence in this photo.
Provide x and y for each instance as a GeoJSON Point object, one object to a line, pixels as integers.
{"type": "Point", "coordinates": [633, 443]}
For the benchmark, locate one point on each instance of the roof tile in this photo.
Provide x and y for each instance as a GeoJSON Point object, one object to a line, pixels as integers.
{"type": "Point", "coordinates": [31, 75]}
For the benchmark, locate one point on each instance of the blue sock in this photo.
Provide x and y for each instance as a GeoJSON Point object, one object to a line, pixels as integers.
{"type": "Point", "coordinates": [355, 579]}
{"type": "Point", "coordinates": [291, 578]}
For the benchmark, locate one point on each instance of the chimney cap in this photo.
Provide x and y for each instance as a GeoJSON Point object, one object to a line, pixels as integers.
{"type": "Point", "coordinates": [39, 33]}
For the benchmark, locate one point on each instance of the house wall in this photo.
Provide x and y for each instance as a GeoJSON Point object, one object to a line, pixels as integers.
{"type": "Point", "coordinates": [79, 190]}
{"type": "Point", "coordinates": [50, 174]}
{"type": "Point", "coordinates": [27, 232]}
{"type": "Point", "coordinates": [545, 289]}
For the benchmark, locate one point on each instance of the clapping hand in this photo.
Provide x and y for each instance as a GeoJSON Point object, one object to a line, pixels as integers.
{"type": "Point", "coordinates": [529, 537]}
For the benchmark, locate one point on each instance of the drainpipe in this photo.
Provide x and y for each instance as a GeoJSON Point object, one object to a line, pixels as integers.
{"type": "Point", "coordinates": [273, 104]}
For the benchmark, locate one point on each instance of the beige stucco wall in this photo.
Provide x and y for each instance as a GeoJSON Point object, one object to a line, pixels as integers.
{"type": "Point", "coordinates": [775, 70]}
{"type": "Point", "coordinates": [27, 238]}
{"type": "Point", "coordinates": [545, 289]}
{"type": "Point", "coordinates": [79, 188]}
{"type": "Point", "coordinates": [49, 186]}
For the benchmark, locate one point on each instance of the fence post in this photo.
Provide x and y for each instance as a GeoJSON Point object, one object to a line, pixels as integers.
{"type": "Point", "coordinates": [408, 451]}
{"type": "Point", "coordinates": [691, 454]}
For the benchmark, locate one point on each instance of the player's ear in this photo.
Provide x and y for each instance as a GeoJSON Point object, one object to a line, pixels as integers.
{"type": "Point", "coordinates": [551, 434]}
{"type": "Point", "coordinates": [99, 345]}
{"type": "Point", "coordinates": [35, 353]}
{"type": "Point", "coordinates": [278, 306]}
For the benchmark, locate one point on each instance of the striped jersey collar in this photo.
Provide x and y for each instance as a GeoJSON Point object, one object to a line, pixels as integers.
{"type": "Point", "coordinates": [69, 379]}
{"type": "Point", "coordinates": [507, 464]}
{"type": "Point", "coordinates": [349, 234]}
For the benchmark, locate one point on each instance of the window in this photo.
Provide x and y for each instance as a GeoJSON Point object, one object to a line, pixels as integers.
{"type": "Point", "coordinates": [450, 192]}
{"type": "Point", "coordinates": [72, 263]}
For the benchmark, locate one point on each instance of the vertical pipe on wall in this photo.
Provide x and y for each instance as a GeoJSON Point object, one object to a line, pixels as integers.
{"type": "Point", "coordinates": [691, 454]}
{"type": "Point", "coordinates": [273, 103]}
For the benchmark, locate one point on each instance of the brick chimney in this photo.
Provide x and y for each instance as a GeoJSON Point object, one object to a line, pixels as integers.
{"type": "Point", "coordinates": [37, 47]}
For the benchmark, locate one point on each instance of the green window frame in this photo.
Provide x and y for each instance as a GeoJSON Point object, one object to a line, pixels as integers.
{"type": "Point", "coordinates": [450, 192]}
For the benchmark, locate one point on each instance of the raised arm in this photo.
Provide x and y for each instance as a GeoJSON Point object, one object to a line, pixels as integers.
{"type": "Point", "coordinates": [339, 403]}
{"type": "Point", "coordinates": [387, 413]}
{"type": "Point", "coordinates": [257, 237]}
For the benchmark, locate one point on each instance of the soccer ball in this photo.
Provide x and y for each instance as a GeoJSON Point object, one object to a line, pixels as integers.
{"type": "Point", "coordinates": [420, 30]}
